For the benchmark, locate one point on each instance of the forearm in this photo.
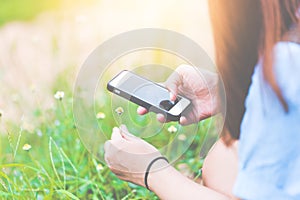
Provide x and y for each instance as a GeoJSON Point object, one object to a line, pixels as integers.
{"type": "Point", "coordinates": [170, 184]}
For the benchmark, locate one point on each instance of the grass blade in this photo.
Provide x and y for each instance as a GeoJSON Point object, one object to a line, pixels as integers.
{"type": "Point", "coordinates": [18, 142]}
{"type": "Point", "coordinates": [52, 162]}
{"type": "Point", "coordinates": [69, 194]}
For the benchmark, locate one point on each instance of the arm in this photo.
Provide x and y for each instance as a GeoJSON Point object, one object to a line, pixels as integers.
{"type": "Point", "coordinates": [128, 157]}
{"type": "Point", "coordinates": [220, 167]}
{"type": "Point", "coordinates": [168, 183]}
{"type": "Point", "coordinates": [123, 153]}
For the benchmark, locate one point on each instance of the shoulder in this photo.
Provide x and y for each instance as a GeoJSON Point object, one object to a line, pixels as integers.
{"type": "Point", "coordinates": [287, 70]}
{"type": "Point", "coordinates": [285, 45]}
{"type": "Point", "coordinates": [220, 167]}
{"type": "Point", "coordinates": [286, 58]}
{"type": "Point", "coordinates": [286, 50]}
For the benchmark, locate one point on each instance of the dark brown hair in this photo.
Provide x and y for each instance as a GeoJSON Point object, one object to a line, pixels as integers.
{"type": "Point", "coordinates": [278, 16]}
{"type": "Point", "coordinates": [244, 30]}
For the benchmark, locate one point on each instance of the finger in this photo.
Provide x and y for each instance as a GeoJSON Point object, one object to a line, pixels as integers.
{"type": "Point", "coordinates": [141, 110]}
{"type": "Point", "coordinates": [106, 152]}
{"type": "Point", "coordinates": [172, 84]}
{"type": "Point", "coordinates": [117, 172]}
{"type": "Point", "coordinates": [106, 159]}
{"type": "Point", "coordinates": [161, 118]}
{"type": "Point", "coordinates": [183, 120]}
{"type": "Point", "coordinates": [116, 134]}
{"type": "Point", "coordinates": [172, 87]}
{"type": "Point", "coordinates": [124, 128]}
{"type": "Point", "coordinates": [106, 146]}
{"type": "Point", "coordinates": [125, 133]}
{"type": "Point", "coordinates": [111, 147]}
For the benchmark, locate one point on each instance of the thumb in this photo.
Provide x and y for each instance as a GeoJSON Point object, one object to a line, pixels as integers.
{"type": "Point", "coordinates": [125, 133]}
{"type": "Point", "coordinates": [116, 134]}
{"type": "Point", "coordinates": [172, 85]}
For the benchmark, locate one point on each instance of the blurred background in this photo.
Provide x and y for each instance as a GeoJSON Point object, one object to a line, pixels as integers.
{"type": "Point", "coordinates": [43, 43]}
{"type": "Point", "coordinates": [40, 39]}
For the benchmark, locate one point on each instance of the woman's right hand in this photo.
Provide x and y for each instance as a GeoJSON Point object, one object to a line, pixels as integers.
{"type": "Point", "coordinates": [200, 86]}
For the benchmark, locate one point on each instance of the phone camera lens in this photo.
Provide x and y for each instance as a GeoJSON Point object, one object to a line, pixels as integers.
{"type": "Point", "coordinates": [166, 104]}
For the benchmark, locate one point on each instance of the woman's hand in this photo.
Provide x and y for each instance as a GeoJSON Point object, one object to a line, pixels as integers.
{"type": "Point", "coordinates": [128, 156]}
{"type": "Point", "coordinates": [200, 86]}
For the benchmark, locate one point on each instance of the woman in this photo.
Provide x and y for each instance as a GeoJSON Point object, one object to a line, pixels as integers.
{"type": "Point", "coordinates": [263, 111]}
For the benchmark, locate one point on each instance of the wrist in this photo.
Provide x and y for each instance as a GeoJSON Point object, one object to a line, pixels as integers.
{"type": "Point", "coordinates": [160, 171]}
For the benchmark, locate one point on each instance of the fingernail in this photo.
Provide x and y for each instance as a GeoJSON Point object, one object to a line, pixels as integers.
{"type": "Point", "coordinates": [122, 127]}
{"type": "Point", "coordinates": [182, 120]}
{"type": "Point", "coordinates": [138, 109]}
{"type": "Point", "coordinates": [160, 117]}
{"type": "Point", "coordinates": [116, 129]}
{"type": "Point", "coordinates": [172, 96]}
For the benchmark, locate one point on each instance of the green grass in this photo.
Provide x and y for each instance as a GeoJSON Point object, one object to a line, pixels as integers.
{"type": "Point", "coordinates": [12, 10]}
{"type": "Point", "coordinates": [59, 167]}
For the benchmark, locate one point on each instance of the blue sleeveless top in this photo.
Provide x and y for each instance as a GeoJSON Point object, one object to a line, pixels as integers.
{"type": "Point", "coordinates": [269, 147]}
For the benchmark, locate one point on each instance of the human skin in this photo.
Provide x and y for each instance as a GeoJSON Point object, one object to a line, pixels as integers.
{"type": "Point", "coordinates": [199, 85]}
{"type": "Point", "coordinates": [220, 167]}
{"type": "Point", "coordinates": [128, 156]}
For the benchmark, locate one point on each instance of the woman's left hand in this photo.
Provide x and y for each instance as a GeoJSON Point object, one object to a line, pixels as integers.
{"type": "Point", "coordinates": [128, 156]}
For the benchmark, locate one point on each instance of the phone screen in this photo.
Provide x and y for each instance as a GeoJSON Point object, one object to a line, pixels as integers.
{"type": "Point", "coordinates": [146, 90]}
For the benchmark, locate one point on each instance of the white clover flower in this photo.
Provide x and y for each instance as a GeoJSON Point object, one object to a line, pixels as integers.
{"type": "Point", "coordinates": [57, 122]}
{"type": "Point", "coordinates": [59, 95]}
{"type": "Point", "coordinates": [182, 137]}
{"type": "Point", "coordinates": [172, 129]}
{"type": "Point", "coordinates": [26, 147]}
{"type": "Point", "coordinates": [100, 115]}
{"type": "Point", "coordinates": [99, 167]}
{"type": "Point", "coordinates": [39, 133]}
{"type": "Point", "coordinates": [119, 110]}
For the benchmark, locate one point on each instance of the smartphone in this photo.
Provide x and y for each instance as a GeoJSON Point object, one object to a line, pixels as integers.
{"type": "Point", "coordinates": [148, 94]}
